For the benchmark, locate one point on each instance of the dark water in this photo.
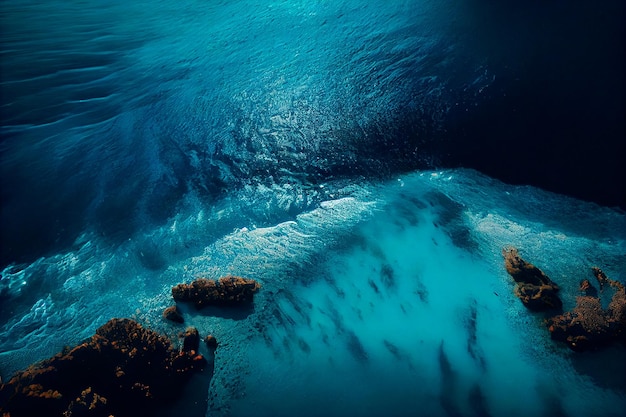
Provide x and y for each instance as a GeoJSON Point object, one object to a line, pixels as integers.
{"type": "Point", "coordinates": [112, 112]}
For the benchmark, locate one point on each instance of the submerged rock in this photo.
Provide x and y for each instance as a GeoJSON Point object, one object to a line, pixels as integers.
{"type": "Point", "coordinates": [587, 289]}
{"type": "Point", "coordinates": [191, 340]}
{"type": "Point", "coordinates": [211, 342]}
{"type": "Point", "coordinates": [588, 326]}
{"type": "Point", "coordinates": [88, 403]}
{"type": "Point", "coordinates": [534, 288]}
{"type": "Point", "coordinates": [124, 369]}
{"type": "Point", "coordinates": [172, 313]}
{"type": "Point", "coordinates": [226, 291]}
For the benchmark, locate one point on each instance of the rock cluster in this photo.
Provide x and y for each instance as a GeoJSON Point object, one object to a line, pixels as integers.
{"type": "Point", "coordinates": [122, 370]}
{"type": "Point", "coordinates": [534, 288]}
{"type": "Point", "coordinates": [211, 342]}
{"type": "Point", "coordinates": [226, 291]}
{"type": "Point", "coordinates": [589, 326]}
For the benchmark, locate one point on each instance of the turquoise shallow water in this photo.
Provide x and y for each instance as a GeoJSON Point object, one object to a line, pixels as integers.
{"type": "Point", "coordinates": [400, 320]}
{"type": "Point", "coordinates": [391, 298]}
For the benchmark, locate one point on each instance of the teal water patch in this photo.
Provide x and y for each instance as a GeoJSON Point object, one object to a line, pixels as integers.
{"type": "Point", "coordinates": [62, 299]}
{"type": "Point", "coordinates": [383, 299]}
{"type": "Point", "coordinates": [401, 317]}
{"type": "Point", "coordinates": [397, 322]}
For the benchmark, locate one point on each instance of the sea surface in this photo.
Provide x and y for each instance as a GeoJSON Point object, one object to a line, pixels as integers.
{"type": "Point", "coordinates": [366, 162]}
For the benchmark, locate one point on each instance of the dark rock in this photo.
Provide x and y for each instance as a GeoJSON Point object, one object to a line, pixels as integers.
{"type": "Point", "coordinates": [588, 326]}
{"type": "Point", "coordinates": [227, 291]}
{"type": "Point", "coordinates": [173, 314]}
{"type": "Point", "coordinates": [584, 285]}
{"type": "Point", "coordinates": [89, 403]}
{"type": "Point", "coordinates": [534, 288]}
{"type": "Point", "coordinates": [587, 289]}
{"type": "Point", "coordinates": [124, 369]}
{"type": "Point", "coordinates": [191, 340]}
{"type": "Point", "coordinates": [211, 342]}
{"type": "Point", "coordinates": [600, 276]}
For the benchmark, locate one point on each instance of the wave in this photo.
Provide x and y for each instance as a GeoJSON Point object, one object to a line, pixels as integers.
{"type": "Point", "coordinates": [112, 112]}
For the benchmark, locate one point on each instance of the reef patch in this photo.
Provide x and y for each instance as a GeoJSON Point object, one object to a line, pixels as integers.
{"type": "Point", "coordinates": [536, 291]}
{"type": "Point", "coordinates": [226, 291]}
{"type": "Point", "coordinates": [123, 369]}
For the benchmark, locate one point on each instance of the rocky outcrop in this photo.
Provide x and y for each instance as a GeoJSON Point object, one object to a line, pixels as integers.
{"type": "Point", "coordinates": [211, 342]}
{"type": "Point", "coordinates": [534, 288]}
{"type": "Point", "coordinates": [588, 326]}
{"type": "Point", "coordinates": [191, 340]}
{"type": "Point", "coordinates": [172, 313]}
{"type": "Point", "coordinates": [226, 291]}
{"type": "Point", "coordinates": [123, 370]}
{"type": "Point", "coordinates": [587, 289]}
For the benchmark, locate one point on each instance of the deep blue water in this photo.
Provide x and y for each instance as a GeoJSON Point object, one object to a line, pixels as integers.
{"type": "Point", "coordinates": [315, 146]}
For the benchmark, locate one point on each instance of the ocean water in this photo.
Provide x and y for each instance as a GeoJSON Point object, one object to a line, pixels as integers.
{"type": "Point", "coordinates": [308, 145]}
{"type": "Point", "coordinates": [391, 298]}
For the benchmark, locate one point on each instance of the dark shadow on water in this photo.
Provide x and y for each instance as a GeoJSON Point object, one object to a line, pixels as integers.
{"type": "Point", "coordinates": [477, 401]}
{"type": "Point", "coordinates": [607, 367]}
{"type": "Point", "coordinates": [448, 384]}
{"type": "Point", "coordinates": [150, 257]}
{"type": "Point", "coordinates": [193, 400]}
{"type": "Point", "coordinates": [355, 347]}
{"type": "Point", "coordinates": [237, 312]}
{"type": "Point", "coordinates": [451, 220]}
{"type": "Point", "coordinates": [473, 347]}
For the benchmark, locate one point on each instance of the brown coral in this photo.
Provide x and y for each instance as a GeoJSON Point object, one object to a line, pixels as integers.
{"type": "Point", "coordinates": [589, 326]}
{"type": "Point", "coordinates": [534, 288]}
{"type": "Point", "coordinates": [172, 313]}
{"type": "Point", "coordinates": [124, 369]}
{"type": "Point", "coordinates": [600, 276]}
{"type": "Point", "coordinates": [86, 403]}
{"type": "Point", "coordinates": [227, 291]}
